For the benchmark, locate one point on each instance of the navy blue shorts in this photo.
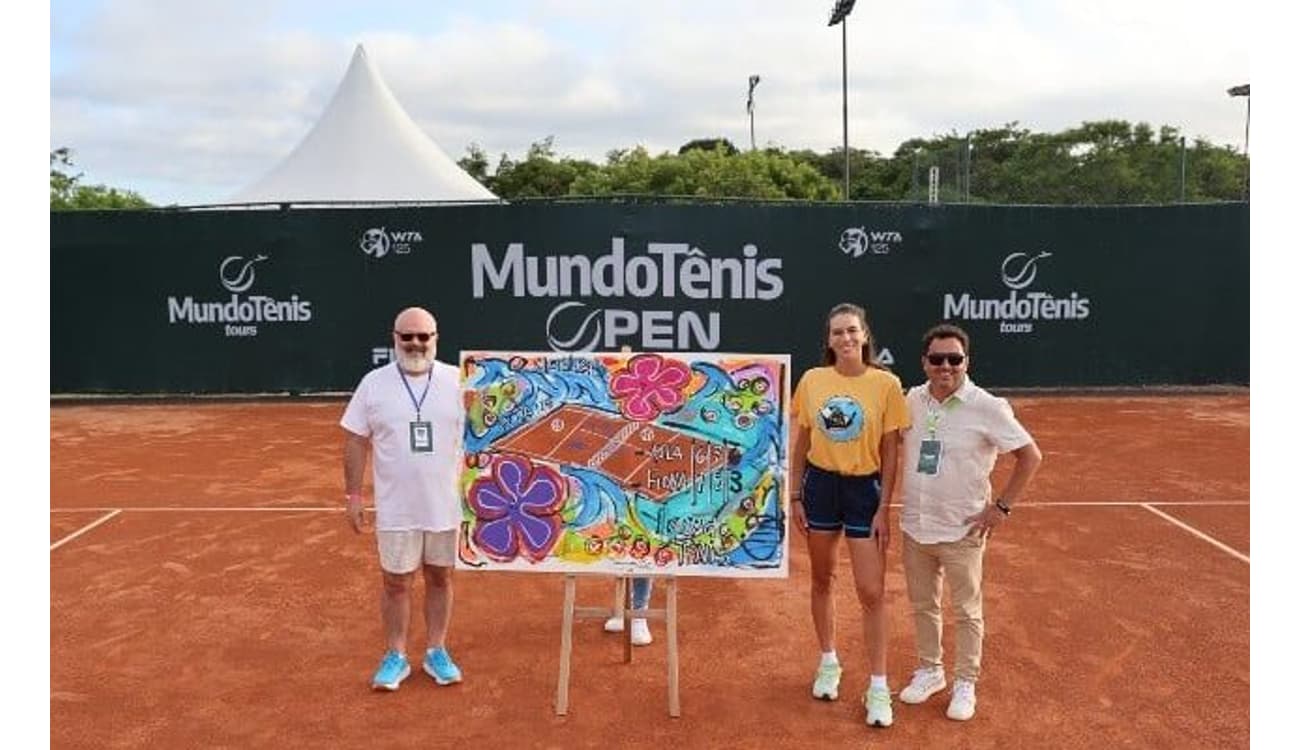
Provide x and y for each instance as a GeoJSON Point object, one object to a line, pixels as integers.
{"type": "Point", "coordinates": [833, 501]}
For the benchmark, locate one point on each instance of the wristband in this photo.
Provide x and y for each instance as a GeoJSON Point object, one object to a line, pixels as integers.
{"type": "Point", "coordinates": [355, 495]}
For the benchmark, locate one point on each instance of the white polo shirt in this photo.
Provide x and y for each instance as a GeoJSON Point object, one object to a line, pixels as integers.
{"type": "Point", "coordinates": [413, 491]}
{"type": "Point", "coordinates": [973, 427]}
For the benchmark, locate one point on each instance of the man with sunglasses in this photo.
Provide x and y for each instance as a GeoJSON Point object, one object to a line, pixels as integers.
{"type": "Point", "coordinates": [409, 412]}
{"type": "Point", "coordinates": [949, 510]}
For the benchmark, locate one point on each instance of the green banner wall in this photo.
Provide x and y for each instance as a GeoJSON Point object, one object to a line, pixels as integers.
{"type": "Point", "coordinates": [302, 300]}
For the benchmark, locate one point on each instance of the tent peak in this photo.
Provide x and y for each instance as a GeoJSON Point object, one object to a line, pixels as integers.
{"type": "Point", "coordinates": [365, 147]}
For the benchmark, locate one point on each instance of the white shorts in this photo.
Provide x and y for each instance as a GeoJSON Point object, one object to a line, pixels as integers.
{"type": "Point", "coordinates": [401, 551]}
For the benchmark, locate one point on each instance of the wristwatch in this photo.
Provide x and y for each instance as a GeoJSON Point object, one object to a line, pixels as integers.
{"type": "Point", "coordinates": [1006, 509]}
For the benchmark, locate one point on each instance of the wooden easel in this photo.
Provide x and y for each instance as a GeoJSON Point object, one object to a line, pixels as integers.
{"type": "Point", "coordinates": [622, 608]}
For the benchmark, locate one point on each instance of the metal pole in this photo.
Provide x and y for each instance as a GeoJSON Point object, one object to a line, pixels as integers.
{"type": "Point", "coordinates": [751, 129]}
{"type": "Point", "coordinates": [844, 57]}
{"type": "Point", "coordinates": [916, 166]}
{"type": "Point", "coordinates": [1247, 151]}
{"type": "Point", "coordinates": [1245, 191]}
{"type": "Point", "coordinates": [1182, 171]}
{"type": "Point", "coordinates": [968, 155]}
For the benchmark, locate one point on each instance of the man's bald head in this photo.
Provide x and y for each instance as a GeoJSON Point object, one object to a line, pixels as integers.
{"type": "Point", "coordinates": [415, 319]}
{"type": "Point", "coordinates": [411, 325]}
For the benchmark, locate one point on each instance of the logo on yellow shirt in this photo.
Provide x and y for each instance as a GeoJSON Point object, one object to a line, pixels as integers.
{"type": "Point", "coordinates": [840, 418]}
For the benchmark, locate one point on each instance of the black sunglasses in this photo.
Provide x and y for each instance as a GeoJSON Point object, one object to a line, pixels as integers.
{"type": "Point", "coordinates": [953, 359]}
{"type": "Point", "coordinates": [423, 337]}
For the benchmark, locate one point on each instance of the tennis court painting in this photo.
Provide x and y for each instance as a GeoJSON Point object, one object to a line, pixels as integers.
{"type": "Point", "coordinates": [649, 463]}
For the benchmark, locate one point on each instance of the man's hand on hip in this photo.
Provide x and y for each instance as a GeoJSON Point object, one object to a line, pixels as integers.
{"type": "Point", "coordinates": [986, 520]}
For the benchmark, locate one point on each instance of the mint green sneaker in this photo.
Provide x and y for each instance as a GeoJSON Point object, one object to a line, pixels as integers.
{"type": "Point", "coordinates": [880, 712]}
{"type": "Point", "coordinates": [392, 670]}
{"type": "Point", "coordinates": [438, 663]}
{"type": "Point", "coordinates": [826, 686]}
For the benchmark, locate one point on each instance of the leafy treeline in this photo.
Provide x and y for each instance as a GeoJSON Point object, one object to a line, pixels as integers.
{"type": "Point", "coordinates": [1109, 162]}
{"type": "Point", "coordinates": [67, 192]}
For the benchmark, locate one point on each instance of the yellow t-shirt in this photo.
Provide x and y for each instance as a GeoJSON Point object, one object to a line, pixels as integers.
{"type": "Point", "coordinates": [846, 417]}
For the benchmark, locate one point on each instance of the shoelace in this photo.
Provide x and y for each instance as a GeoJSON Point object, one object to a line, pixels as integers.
{"type": "Point", "coordinates": [928, 675]}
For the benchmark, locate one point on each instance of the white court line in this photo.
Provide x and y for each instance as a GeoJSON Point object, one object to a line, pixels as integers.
{"type": "Point", "coordinates": [184, 509]}
{"type": "Point", "coordinates": [1130, 503]}
{"type": "Point", "coordinates": [1198, 533]}
{"type": "Point", "coordinates": [340, 509]}
{"type": "Point", "coordinates": [84, 529]}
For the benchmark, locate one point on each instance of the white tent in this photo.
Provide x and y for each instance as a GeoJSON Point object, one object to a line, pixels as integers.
{"type": "Point", "coordinates": [365, 147]}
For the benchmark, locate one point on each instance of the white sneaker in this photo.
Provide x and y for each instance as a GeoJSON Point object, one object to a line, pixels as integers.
{"type": "Point", "coordinates": [614, 625]}
{"type": "Point", "coordinates": [826, 685]}
{"type": "Point", "coordinates": [880, 712]}
{"type": "Point", "coordinates": [926, 681]}
{"type": "Point", "coordinates": [641, 632]}
{"type": "Point", "coordinates": [962, 705]}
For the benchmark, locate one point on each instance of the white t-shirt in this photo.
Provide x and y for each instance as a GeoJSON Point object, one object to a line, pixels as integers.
{"type": "Point", "coordinates": [973, 427]}
{"type": "Point", "coordinates": [413, 490]}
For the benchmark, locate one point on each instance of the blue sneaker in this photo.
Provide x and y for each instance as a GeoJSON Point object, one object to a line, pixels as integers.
{"type": "Point", "coordinates": [392, 670]}
{"type": "Point", "coordinates": [438, 663]}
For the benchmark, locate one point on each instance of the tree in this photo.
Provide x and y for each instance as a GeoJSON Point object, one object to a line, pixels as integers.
{"type": "Point", "coordinates": [66, 192]}
{"type": "Point", "coordinates": [1097, 162]}
{"type": "Point", "coordinates": [707, 173]}
{"type": "Point", "coordinates": [540, 174]}
{"type": "Point", "coordinates": [475, 162]}
{"type": "Point", "coordinates": [708, 144]}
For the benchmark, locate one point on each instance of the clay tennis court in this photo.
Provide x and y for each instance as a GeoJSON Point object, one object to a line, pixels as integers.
{"type": "Point", "coordinates": [206, 591]}
{"type": "Point", "coordinates": [631, 453]}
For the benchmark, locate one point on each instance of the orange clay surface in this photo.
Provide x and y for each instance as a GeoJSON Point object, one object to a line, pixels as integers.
{"type": "Point", "coordinates": [191, 620]}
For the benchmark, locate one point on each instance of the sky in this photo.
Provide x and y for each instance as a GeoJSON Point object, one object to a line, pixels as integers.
{"type": "Point", "coordinates": [190, 102]}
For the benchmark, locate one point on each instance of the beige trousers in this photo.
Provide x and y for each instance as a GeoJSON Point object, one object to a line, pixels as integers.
{"type": "Point", "coordinates": [926, 566]}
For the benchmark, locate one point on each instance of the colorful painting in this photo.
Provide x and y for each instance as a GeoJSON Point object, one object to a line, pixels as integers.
{"type": "Point", "coordinates": [633, 464]}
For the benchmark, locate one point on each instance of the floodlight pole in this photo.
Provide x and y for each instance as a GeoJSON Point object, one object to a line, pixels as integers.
{"type": "Point", "coordinates": [840, 14]}
{"type": "Point", "coordinates": [753, 83]}
{"type": "Point", "coordinates": [844, 78]}
{"type": "Point", "coordinates": [1245, 190]}
{"type": "Point", "coordinates": [1244, 90]}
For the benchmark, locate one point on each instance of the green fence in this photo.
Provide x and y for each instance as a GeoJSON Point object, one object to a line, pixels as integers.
{"type": "Point", "coordinates": [302, 300]}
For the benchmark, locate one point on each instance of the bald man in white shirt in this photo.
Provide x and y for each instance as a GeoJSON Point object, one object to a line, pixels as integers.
{"type": "Point", "coordinates": [408, 415]}
{"type": "Point", "coordinates": [949, 509]}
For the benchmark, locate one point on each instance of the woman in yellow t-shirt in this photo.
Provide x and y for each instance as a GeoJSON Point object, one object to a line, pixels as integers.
{"type": "Point", "coordinates": [847, 416]}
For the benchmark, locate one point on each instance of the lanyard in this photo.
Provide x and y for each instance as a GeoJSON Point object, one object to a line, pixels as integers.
{"type": "Point", "coordinates": [411, 393]}
{"type": "Point", "coordinates": [932, 421]}
{"type": "Point", "coordinates": [934, 415]}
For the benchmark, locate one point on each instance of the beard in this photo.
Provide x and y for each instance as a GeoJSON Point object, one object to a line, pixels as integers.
{"type": "Point", "coordinates": [414, 362]}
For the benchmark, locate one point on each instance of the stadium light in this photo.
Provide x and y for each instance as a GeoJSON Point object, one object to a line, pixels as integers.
{"type": "Point", "coordinates": [1244, 90]}
{"type": "Point", "coordinates": [839, 14]}
{"type": "Point", "coordinates": [749, 106]}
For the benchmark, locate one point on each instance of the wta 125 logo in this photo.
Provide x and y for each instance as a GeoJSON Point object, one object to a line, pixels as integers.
{"type": "Point", "coordinates": [378, 241]}
{"type": "Point", "coordinates": [240, 314]}
{"type": "Point", "coordinates": [857, 241]}
{"type": "Point", "coordinates": [1022, 307]}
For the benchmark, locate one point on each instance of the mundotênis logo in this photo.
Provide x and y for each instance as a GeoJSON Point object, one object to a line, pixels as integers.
{"type": "Point", "coordinates": [1021, 309]}
{"type": "Point", "coordinates": [1019, 269]}
{"type": "Point", "coordinates": [378, 241]}
{"type": "Point", "coordinates": [237, 273]}
{"type": "Point", "coordinates": [675, 275]}
{"type": "Point", "coordinates": [857, 241]}
{"type": "Point", "coordinates": [239, 315]}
